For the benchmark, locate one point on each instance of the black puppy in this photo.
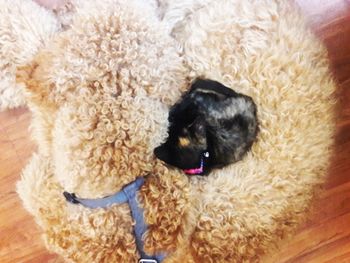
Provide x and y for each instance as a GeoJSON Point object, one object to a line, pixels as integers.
{"type": "Point", "coordinates": [210, 127]}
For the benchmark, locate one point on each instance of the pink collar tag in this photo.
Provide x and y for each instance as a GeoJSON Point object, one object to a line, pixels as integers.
{"type": "Point", "coordinates": [195, 171]}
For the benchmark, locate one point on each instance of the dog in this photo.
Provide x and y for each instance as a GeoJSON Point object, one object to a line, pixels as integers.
{"type": "Point", "coordinates": [210, 127]}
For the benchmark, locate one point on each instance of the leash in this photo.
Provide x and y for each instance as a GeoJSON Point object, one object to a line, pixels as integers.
{"type": "Point", "coordinates": [127, 195]}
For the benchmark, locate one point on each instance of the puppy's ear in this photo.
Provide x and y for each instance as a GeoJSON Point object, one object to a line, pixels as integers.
{"type": "Point", "coordinates": [199, 84]}
{"type": "Point", "coordinates": [212, 87]}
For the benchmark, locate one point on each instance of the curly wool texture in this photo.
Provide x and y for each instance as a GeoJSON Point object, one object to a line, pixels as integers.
{"type": "Point", "coordinates": [77, 233]}
{"type": "Point", "coordinates": [100, 95]}
{"type": "Point", "coordinates": [24, 28]}
{"type": "Point", "coordinates": [95, 125]}
{"type": "Point", "coordinates": [261, 49]}
{"type": "Point", "coordinates": [128, 71]}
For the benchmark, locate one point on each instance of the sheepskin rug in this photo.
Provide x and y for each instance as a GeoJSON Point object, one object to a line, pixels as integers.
{"type": "Point", "coordinates": [100, 94]}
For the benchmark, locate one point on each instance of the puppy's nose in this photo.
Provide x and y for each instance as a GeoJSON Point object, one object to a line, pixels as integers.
{"type": "Point", "coordinates": [161, 153]}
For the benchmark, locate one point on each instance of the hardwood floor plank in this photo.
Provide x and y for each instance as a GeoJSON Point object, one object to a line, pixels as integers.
{"type": "Point", "coordinates": [316, 237]}
{"type": "Point", "coordinates": [337, 249]}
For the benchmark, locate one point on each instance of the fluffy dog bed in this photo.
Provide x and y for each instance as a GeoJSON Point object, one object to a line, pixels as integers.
{"type": "Point", "coordinates": [100, 94]}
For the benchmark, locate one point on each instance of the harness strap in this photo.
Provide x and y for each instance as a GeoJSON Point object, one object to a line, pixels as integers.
{"type": "Point", "coordinates": [127, 194]}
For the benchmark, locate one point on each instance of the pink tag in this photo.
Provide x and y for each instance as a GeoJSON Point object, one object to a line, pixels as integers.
{"type": "Point", "coordinates": [194, 171]}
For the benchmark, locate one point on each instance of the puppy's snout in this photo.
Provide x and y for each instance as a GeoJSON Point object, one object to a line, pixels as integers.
{"type": "Point", "coordinates": [162, 153]}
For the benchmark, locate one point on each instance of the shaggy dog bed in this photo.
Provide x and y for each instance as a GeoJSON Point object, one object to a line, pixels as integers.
{"type": "Point", "coordinates": [100, 94]}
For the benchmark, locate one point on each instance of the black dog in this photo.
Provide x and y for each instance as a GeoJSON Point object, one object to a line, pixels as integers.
{"type": "Point", "coordinates": [210, 127]}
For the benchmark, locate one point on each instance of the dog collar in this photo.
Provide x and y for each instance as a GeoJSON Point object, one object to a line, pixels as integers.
{"type": "Point", "coordinates": [200, 169]}
{"type": "Point", "coordinates": [127, 195]}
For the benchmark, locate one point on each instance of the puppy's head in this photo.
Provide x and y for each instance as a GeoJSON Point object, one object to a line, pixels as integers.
{"type": "Point", "coordinates": [211, 126]}
{"type": "Point", "coordinates": [187, 139]}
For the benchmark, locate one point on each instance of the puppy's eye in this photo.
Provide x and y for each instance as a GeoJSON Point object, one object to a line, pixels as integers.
{"type": "Point", "coordinates": [184, 141]}
{"type": "Point", "coordinates": [189, 126]}
{"type": "Point", "coordinates": [184, 132]}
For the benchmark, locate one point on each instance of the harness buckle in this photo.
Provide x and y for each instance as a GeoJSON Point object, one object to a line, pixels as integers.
{"type": "Point", "coordinates": [147, 261]}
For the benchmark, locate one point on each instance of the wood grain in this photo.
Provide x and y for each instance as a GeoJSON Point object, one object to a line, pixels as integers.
{"type": "Point", "coordinates": [20, 238]}
{"type": "Point", "coordinates": [324, 238]}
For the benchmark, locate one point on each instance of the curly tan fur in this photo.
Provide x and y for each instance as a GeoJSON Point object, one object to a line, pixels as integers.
{"type": "Point", "coordinates": [100, 94]}
{"type": "Point", "coordinates": [261, 49]}
{"type": "Point", "coordinates": [24, 28]}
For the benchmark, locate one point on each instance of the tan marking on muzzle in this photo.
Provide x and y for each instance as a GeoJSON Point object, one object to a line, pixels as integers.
{"type": "Point", "coordinates": [183, 141]}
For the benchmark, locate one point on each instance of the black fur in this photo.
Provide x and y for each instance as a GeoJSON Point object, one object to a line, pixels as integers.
{"type": "Point", "coordinates": [210, 117]}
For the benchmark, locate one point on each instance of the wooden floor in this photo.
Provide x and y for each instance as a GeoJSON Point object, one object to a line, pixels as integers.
{"type": "Point", "coordinates": [325, 238]}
